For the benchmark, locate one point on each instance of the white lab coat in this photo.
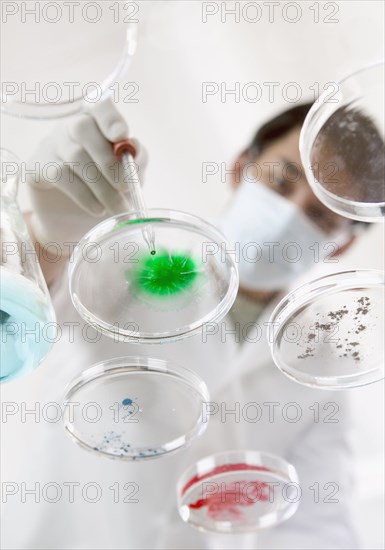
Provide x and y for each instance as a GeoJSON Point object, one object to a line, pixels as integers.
{"type": "Point", "coordinates": [40, 452]}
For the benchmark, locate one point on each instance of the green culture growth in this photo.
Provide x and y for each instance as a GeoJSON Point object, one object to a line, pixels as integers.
{"type": "Point", "coordinates": [164, 274]}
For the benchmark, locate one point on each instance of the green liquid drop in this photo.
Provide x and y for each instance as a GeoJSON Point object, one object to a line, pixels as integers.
{"type": "Point", "coordinates": [165, 274]}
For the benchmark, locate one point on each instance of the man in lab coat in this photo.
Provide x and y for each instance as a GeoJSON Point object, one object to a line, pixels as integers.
{"type": "Point", "coordinates": [49, 500]}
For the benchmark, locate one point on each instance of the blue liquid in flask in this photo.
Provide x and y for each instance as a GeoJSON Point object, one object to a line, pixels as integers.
{"type": "Point", "coordinates": [26, 327]}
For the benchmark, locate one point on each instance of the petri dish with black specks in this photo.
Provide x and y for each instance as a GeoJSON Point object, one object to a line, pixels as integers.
{"type": "Point", "coordinates": [135, 408]}
{"type": "Point", "coordinates": [238, 492]}
{"type": "Point", "coordinates": [133, 295]}
{"type": "Point", "coordinates": [329, 333]}
{"type": "Point", "coordinates": [343, 148]}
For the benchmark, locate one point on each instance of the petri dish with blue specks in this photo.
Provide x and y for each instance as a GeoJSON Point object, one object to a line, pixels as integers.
{"type": "Point", "coordinates": [238, 492]}
{"type": "Point", "coordinates": [135, 408]}
{"type": "Point", "coordinates": [329, 333]}
{"type": "Point", "coordinates": [130, 294]}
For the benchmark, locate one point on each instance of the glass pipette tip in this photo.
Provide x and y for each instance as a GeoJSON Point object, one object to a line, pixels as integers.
{"type": "Point", "coordinates": [125, 152]}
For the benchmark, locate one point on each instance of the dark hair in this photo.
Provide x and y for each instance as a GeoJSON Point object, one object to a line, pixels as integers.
{"type": "Point", "coordinates": [277, 127]}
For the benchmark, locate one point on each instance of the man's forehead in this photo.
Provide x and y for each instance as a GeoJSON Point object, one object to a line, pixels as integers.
{"type": "Point", "coordinates": [285, 146]}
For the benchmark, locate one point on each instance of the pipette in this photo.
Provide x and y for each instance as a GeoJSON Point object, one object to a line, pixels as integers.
{"type": "Point", "coordinates": [125, 152]}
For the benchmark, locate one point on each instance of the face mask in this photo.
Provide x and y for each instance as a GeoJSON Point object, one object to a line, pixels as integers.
{"type": "Point", "coordinates": [274, 241]}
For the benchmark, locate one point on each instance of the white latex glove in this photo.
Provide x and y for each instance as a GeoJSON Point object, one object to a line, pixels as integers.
{"type": "Point", "coordinates": [76, 181]}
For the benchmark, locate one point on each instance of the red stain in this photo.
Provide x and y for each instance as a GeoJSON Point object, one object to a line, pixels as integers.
{"type": "Point", "coordinates": [222, 470]}
{"type": "Point", "coordinates": [226, 502]}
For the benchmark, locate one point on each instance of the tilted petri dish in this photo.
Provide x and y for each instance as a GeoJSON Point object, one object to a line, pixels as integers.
{"type": "Point", "coordinates": [134, 408]}
{"type": "Point", "coordinates": [130, 295]}
{"type": "Point", "coordinates": [238, 491]}
{"type": "Point", "coordinates": [329, 333]}
{"type": "Point", "coordinates": [342, 146]}
{"type": "Point", "coordinates": [58, 57]}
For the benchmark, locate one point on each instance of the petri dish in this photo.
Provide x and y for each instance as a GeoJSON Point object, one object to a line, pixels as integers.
{"type": "Point", "coordinates": [57, 56]}
{"type": "Point", "coordinates": [134, 408]}
{"type": "Point", "coordinates": [342, 146]}
{"type": "Point", "coordinates": [238, 491]}
{"type": "Point", "coordinates": [122, 290]}
{"type": "Point", "coordinates": [329, 333]}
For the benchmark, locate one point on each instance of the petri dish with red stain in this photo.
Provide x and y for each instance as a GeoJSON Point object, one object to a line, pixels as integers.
{"type": "Point", "coordinates": [329, 333]}
{"type": "Point", "coordinates": [134, 408]}
{"type": "Point", "coordinates": [238, 491]}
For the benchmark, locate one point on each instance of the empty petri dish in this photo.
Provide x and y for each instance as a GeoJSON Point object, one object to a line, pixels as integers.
{"type": "Point", "coordinates": [329, 333]}
{"type": "Point", "coordinates": [134, 408]}
{"type": "Point", "coordinates": [238, 491]}
{"type": "Point", "coordinates": [56, 56]}
{"type": "Point", "coordinates": [342, 146]}
{"type": "Point", "coordinates": [127, 293]}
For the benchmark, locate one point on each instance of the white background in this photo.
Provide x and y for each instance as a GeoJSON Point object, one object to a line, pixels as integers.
{"type": "Point", "coordinates": [175, 54]}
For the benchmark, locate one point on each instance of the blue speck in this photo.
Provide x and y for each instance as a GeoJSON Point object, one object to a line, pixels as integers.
{"type": "Point", "coordinates": [127, 402]}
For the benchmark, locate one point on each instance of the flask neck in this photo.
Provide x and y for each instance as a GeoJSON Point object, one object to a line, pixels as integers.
{"type": "Point", "coordinates": [9, 174]}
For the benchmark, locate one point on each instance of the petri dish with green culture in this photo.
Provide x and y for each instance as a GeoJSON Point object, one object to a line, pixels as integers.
{"type": "Point", "coordinates": [131, 294]}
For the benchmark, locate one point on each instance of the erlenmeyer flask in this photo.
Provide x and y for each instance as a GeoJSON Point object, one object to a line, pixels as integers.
{"type": "Point", "coordinates": [27, 315]}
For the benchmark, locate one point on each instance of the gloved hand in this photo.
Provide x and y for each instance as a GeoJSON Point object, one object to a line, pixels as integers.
{"type": "Point", "coordinates": [74, 179]}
